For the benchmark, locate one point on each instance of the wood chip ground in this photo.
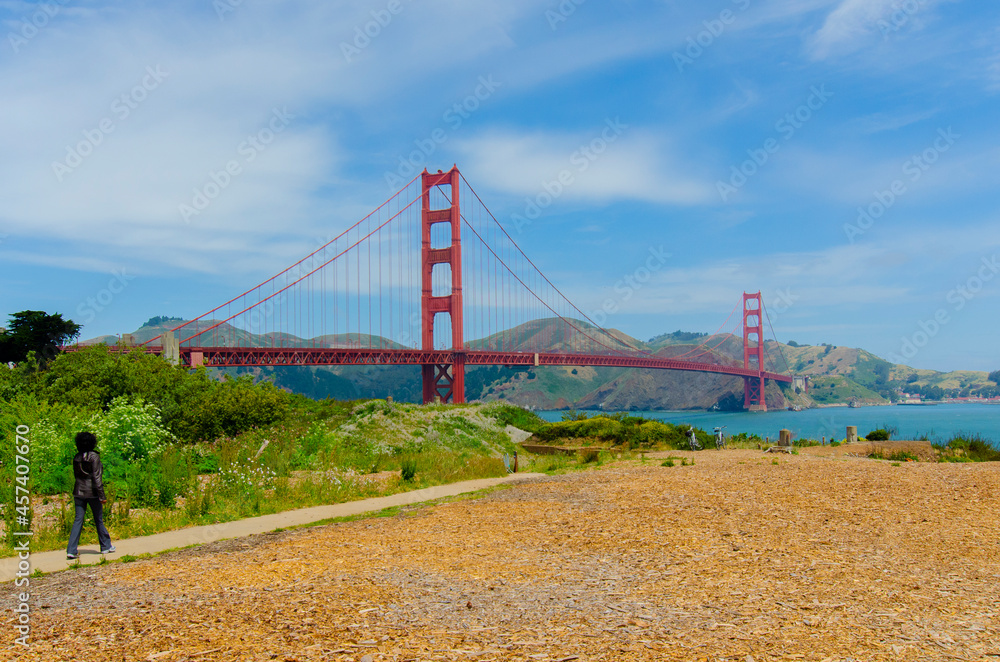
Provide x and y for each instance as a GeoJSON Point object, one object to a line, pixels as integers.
{"type": "Point", "coordinates": [734, 558]}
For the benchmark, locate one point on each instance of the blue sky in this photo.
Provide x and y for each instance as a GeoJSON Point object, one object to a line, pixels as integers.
{"type": "Point", "coordinates": [743, 137]}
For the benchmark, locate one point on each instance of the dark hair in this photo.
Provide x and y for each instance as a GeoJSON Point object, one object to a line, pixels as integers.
{"type": "Point", "coordinates": [85, 441]}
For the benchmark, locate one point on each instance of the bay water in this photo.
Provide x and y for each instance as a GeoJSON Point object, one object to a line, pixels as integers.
{"type": "Point", "coordinates": [939, 423]}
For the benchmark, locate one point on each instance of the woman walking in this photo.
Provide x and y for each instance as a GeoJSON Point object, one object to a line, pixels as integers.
{"type": "Point", "coordinates": [88, 490]}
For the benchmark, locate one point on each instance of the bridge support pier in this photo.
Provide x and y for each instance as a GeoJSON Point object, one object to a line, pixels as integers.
{"type": "Point", "coordinates": [446, 381]}
{"type": "Point", "coordinates": [753, 394]}
{"type": "Point", "coordinates": [171, 348]}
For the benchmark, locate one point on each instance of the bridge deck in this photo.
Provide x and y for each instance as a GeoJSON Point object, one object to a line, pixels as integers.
{"type": "Point", "coordinates": [230, 357]}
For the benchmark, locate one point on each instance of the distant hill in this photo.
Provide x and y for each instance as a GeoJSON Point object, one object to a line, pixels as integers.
{"type": "Point", "coordinates": [836, 374]}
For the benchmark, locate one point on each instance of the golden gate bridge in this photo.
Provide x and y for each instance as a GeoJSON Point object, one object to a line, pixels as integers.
{"type": "Point", "coordinates": [409, 283]}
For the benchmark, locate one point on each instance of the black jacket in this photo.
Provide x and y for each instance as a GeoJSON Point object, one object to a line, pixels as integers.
{"type": "Point", "coordinates": [89, 473]}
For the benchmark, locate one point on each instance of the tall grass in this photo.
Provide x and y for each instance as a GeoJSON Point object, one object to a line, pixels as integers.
{"type": "Point", "coordinates": [968, 448]}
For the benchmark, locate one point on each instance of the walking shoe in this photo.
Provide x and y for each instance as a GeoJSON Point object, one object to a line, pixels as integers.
{"type": "Point", "coordinates": [109, 550]}
{"type": "Point", "coordinates": [72, 557]}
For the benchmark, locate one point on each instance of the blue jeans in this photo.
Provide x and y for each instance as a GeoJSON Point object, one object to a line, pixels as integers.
{"type": "Point", "coordinates": [97, 508]}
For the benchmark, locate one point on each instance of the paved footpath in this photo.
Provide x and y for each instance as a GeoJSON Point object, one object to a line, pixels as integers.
{"type": "Point", "coordinates": [198, 535]}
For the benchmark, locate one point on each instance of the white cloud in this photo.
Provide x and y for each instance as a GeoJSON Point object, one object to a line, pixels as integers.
{"type": "Point", "coordinates": [636, 165]}
{"type": "Point", "coordinates": [223, 80]}
{"type": "Point", "coordinates": [853, 23]}
{"type": "Point", "coordinates": [864, 274]}
{"type": "Point", "coordinates": [847, 25]}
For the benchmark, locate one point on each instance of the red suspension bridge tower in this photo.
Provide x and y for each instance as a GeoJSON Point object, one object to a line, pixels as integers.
{"type": "Point", "coordinates": [442, 381]}
{"type": "Point", "coordinates": [753, 352]}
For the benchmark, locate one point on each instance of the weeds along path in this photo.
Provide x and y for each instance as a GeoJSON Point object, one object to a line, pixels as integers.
{"type": "Point", "coordinates": [739, 556]}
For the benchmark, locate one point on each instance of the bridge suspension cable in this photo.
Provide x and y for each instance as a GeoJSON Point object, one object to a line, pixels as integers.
{"type": "Point", "coordinates": [535, 270]}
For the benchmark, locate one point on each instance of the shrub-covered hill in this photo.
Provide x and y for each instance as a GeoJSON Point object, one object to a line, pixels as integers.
{"type": "Point", "coordinates": [393, 428]}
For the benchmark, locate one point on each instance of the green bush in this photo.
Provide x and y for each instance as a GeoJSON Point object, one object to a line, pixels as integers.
{"type": "Point", "coordinates": [94, 376]}
{"type": "Point", "coordinates": [878, 435]}
{"type": "Point", "coordinates": [53, 448]}
{"type": "Point", "coordinates": [205, 460]}
{"type": "Point", "coordinates": [130, 431]}
{"type": "Point", "coordinates": [652, 433]}
{"type": "Point", "coordinates": [17, 382]}
{"type": "Point", "coordinates": [408, 470]}
{"type": "Point", "coordinates": [234, 406]}
{"type": "Point", "coordinates": [974, 447]}
{"type": "Point", "coordinates": [193, 406]}
{"type": "Point", "coordinates": [316, 440]}
{"type": "Point", "coordinates": [508, 414]}
{"type": "Point", "coordinates": [135, 483]}
{"type": "Point", "coordinates": [50, 443]}
{"type": "Point", "coordinates": [174, 477]}
{"type": "Point", "coordinates": [633, 431]}
{"type": "Point", "coordinates": [599, 427]}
